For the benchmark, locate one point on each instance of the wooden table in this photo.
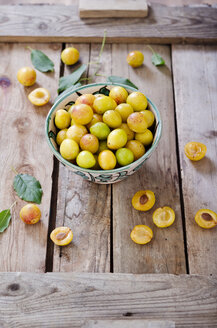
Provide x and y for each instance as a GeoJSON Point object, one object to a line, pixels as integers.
{"type": "Point", "coordinates": [101, 216]}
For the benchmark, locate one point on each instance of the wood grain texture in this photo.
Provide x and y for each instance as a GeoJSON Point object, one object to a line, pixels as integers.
{"type": "Point", "coordinates": [46, 23]}
{"type": "Point", "coordinates": [165, 254]}
{"type": "Point", "coordinates": [113, 8]}
{"type": "Point", "coordinates": [85, 208]}
{"type": "Point", "coordinates": [75, 2]}
{"type": "Point", "coordinates": [67, 299]}
{"type": "Point", "coordinates": [195, 85]}
{"type": "Point", "coordinates": [24, 147]}
{"type": "Point", "coordinates": [128, 324]}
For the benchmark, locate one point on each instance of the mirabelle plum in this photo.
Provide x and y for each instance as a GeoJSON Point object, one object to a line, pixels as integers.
{"type": "Point", "coordinates": [76, 132]}
{"type": "Point", "coordinates": [145, 138]}
{"type": "Point", "coordinates": [138, 101]}
{"type": "Point", "coordinates": [96, 118]}
{"type": "Point", "coordinates": [135, 58]}
{"type": "Point", "coordinates": [119, 94]}
{"type": "Point", "coordinates": [141, 234]}
{"type": "Point", "coordinates": [39, 97]}
{"type": "Point", "coordinates": [102, 146]}
{"type": "Point", "coordinates": [195, 150]}
{"type": "Point", "coordinates": [163, 217]}
{"type": "Point", "coordinates": [89, 142]}
{"type": "Point", "coordinates": [103, 103]}
{"type": "Point", "coordinates": [62, 119]}
{"type": "Point", "coordinates": [86, 99]}
{"type": "Point", "coordinates": [124, 156]}
{"type": "Point", "coordinates": [107, 160]}
{"type": "Point", "coordinates": [69, 149]}
{"type": "Point", "coordinates": [117, 139]}
{"type": "Point", "coordinates": [137, 122]}
{"type": "Point", "coordinates": [61, 236]}
{"type": "Point", "coordinates": [206, 218]}
{"type": "Point", "coordinates": [30, 214]}
{"type": "Point", "coordinates": [85, 159]}
{"type": "Point", "coordinates": [82, 114]}
{"type": "Point", "coordinates": [136, 147]}
{"type": "Point", "coordinates": [143, 200]}
{"type": "Point", "coordinates": [70, 56]}
{"type": "Point", "coordinates": [100, 130]}
{"type": "Point", "coordinates": [149, 117]}
{"type": "Point", "coordinates": [124, 110]}
{"type": "Point", "coordinates": [130, 133]}
{"type": "Point", "coordinates": [61, 135]}
{"type": "Point", "coordinates": [112, 118]}
{"type": "Point", "coordinates": [26, 76]}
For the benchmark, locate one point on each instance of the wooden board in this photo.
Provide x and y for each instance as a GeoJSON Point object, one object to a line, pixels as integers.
{"type": "Point", "coordinates": [165, 254]}
{"type": "Point", "coordinates": [129, 324]}
{"type": "Point", "coordinates": [112, 8]}
{"type": "Point", "coordinates": [195, 84]}
{"type": "Point", "coordinates": [85, 208]}
{"type": "Point", "coordinates": [46, 23]}
{"type": "Point", "coordinates": [68, 300]}
{"type": "Point", "coordinates": [23, 146]}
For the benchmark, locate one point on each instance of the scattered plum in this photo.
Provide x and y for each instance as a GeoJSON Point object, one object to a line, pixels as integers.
{"type": "Point", "coordinates": [141, 234]}
{"type": "Point", "coordinates": [70, 56]}
{"type": "Point", "coordinates": [143, 200]}
{"type": "Point", "coordinates": [61, 236]}
{"type": "Point", "coordinates": [206, 218]}
{"type": "Point", "coordinates": [26, 76]}
{"type": "Point", "coordinates": [30, 214]}
{"type": "Point", "coordinates": [163, 217]}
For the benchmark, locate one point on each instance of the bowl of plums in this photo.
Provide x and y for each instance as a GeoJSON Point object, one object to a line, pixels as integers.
{"type": "Point", "coordinates": [103, 132]}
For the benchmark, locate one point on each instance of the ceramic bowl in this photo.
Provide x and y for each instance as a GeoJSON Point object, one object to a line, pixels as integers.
{"type": "Point", "coordinates": [98, 176]}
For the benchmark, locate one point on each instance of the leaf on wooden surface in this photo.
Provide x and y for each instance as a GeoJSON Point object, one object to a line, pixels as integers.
{"type": "Point", "coordinates": [68, 81]}
{"type": "Point", "coordinates": [41, 61]}
{"type": "Point", "coordinates": [121, 80]}
{"type": "Point", "coordinates": [5, 217]}
{"type": "Point", "coordinates": [157, 60]}
{"type": "Point", "coordinates": [28, 188]}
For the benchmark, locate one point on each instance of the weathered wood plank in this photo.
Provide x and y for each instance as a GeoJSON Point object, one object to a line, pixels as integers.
{"type": "Point", "coordinates": [67, 299]}
{"type": "Point", "coordinates": [23, 146]}
{"type": "Point", "coordinates": [113, 8]}
{"type": "Point", "coordinates": [46, 23]}
{"type": "Point", "coordinates": [165, 254]}
{"type": "Point", "coordinates": [195, 85]}
{"type": "Point", "coordinates": [129, 324]}
{"type": "Point", "coordinates": [85, 208]}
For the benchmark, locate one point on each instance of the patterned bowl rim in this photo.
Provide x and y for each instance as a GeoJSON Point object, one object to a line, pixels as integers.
{"type": "Point", "coordinates": [123, 168]}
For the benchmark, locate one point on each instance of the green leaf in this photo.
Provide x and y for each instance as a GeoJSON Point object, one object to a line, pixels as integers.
{"type": "Point", "coordinates": [67, 90]}
{"type": "Point", "coordinates": [28, 188]}
{"type": "Point", "coordinates": [103, 91]}
{"type": "Point", "coordinates": [68, 81]}
{"type": "Point", "coordinates": [5, 217]}
{"type": "Point", "coordinates": [157, 60]}
{"type": "Point", "coordinates": [121, 80]}
{"type": "Point", "coordinates": [41, 62]}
